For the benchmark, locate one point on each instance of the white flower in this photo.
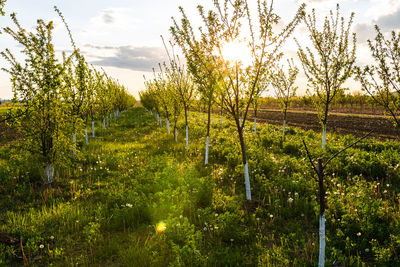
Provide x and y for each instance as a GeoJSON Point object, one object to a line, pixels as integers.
{"type": "Point", "coordinates": [271, 216]}
{"type": "Point", "coordinates": [41, 246]}
{"type": "Point", "coordinates": [290, 200]}
{"type": "Point", "coordinates": [52, 237]}
{"type": "Point", "coordinates": [128, 205]}
{"type": "Point", "coordinates": [359, 234]}
{"type": "Point", "coordinates": [367, 250]}
{"type": "Point", "coordinates": [231, 239]}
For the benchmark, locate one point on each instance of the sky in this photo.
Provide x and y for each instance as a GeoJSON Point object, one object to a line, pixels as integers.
{"type": "Point", "coordinates": [123, 36]}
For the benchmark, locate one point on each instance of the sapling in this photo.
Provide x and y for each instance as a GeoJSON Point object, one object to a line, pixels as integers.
{"type": "Point", "coordinates": [332, 62]}
{"type": "Point", "coordinates": [283, 82]}
{"type": "Point", "coordinates": [228, 72]}
{"type": "Point", "coordinates": [319, 170]}
{"type": "Point", "coordinates": [37, 83]}
{"type": "Point", "coordinates": [183, 88]}
{"type": "Point", "coordinates": [382, 80]}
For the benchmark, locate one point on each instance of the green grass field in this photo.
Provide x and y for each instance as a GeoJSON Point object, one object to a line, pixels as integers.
{"type": "Point", "coordinates": [108, 209]}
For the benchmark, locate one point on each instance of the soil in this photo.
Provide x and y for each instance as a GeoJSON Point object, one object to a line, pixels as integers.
{"type": "Point", "coordinates": [343, 123]}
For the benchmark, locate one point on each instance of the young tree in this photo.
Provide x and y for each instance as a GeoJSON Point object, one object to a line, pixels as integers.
{"type": "Point", "coordinates": [320, 171]}
{"type": "Point", "coordinates": [162, 95]}
{"type": "Point", "coordinates": [183, 84]}
{"type": "Point", "coordinates": [200, 64]}
{"type": "Point", "coordinates": [285, 89]}
{"type": "Point", "coordinates": [331, 63]}
{"type": "Point", "coordinates": [39, 85]}
{"type": "Point", "coordinates": [223, 25]}
{"type": "Point", "coordinates": [382, 80]}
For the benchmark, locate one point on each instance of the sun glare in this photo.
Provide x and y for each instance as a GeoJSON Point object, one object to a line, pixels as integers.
{"type": "Point", "coordinates": [160, 227]}
{"type": "Point", "coordinates": [236, 52]}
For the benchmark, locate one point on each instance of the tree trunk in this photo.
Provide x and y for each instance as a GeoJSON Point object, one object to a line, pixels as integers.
{"type": "Point", "coordinates": [49, 173]}
{"type": "Point", "coordinates": [208, 132]}
{"type": "Point", "coordinates": [322, 241]}
{"type": "Point", "coordinates": [92, 128]}
{"type": "Point", "coordinates": [86, 136]}
{"type": "Point", "coordinates": [255, 120]}
{"type": "Point", "coordinates": [245, 165]}
{"type": "Point", "coordinates": [74, 144]}
{"type": "Point", "coordinates": [284, 124]}
{"type": "Point", "coordinates": [187, 128]}
{"type": "Point", "coordinates": [324, 137]}
{"type": "Point", "coordinates": [221, 117]}
{"type": "Point", "coordinates": [168, 125]}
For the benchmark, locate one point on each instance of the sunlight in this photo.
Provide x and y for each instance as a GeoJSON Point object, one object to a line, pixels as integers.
{"type": "Point", "coordinates": [237, 51]}
{"type": "Point", "coordinates": [160, 227]}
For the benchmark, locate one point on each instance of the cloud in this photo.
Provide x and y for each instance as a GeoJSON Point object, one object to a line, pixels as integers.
{"type": "Point", "coordinates": [107, 16]}
{"type": "Point", "coordinates": [389, 22]}
{"type": "Point", "coordinates": [128, 57]}
{"type": "Point", "coordinates": [364, 32]}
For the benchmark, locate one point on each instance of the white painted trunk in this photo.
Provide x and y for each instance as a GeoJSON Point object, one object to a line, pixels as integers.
{"type": "Point", "coordinates": [168, 126]}
{"type": "Point", "coordinates": [74, 145]}
{"type": "Point", "coordinates": [86, 137]}
{"type": "Point", "coordinates": [255, 125]}
{"type": "Point", "coordinates": [92, 128]}
{"type": "Point", "coordinates": [187, 137]}
{"type": "Point", "coordinates": [104, 123]}
{"type": "Point", "coordinates": [207, 144]}
{"type": "Point", "coordinates": [176, 135]}
{"type": "Point", "coordinates": [49, 173]}
{"type": "Point", "coordinates": [247, 181]}
{"type": "Point", "coordinates": [322, 241]}
{"type": "Point", "coordinates": [324, 137]}
{"type": "Point", "coordinates": [283, 130]}
{"type": "Point", "coordinates": [240, 121]}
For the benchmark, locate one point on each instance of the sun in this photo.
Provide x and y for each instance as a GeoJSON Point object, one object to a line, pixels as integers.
{"type": "Point", "coordinates": [236, 51]}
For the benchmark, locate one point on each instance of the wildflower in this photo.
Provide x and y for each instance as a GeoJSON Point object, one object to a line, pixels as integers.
{"type": "Point", "coordinates": [128, 205]}
{"type": "Point", "coordinates": [271, 216]}
{"type": "Point", "coordinates": [216, 227]}
{"type": "Point", "coordinates": [52, 237]}
{"type": "Point", "coordinates": [257, 219]}
{"type": "Point", "coordinates": [205, 228]}
{"type": "Point", "coordinates": [41, 246]}
{"type": "Point", "coordinates": [180, 217]}
{"type": "Point", "coordinates": [359, 234]}
{"type": "Point", "coordinates": [367, 250]}
{"type": "Point", "coordinates": [216, 214]}
{"type": "Point", "coordinates": [232, 239]}
{"type": "Point", "coordinates": [290, 200]}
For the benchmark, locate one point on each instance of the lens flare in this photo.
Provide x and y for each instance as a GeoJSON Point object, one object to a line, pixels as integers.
{"type": "Point", "coordinates": [160, 227]}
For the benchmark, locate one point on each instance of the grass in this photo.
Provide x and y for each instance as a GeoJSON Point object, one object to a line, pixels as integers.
{"type": "Point", "coordinates": [104, 210]}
